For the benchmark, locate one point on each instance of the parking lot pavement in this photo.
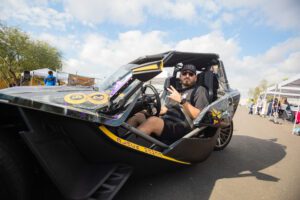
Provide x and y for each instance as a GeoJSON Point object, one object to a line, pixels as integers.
{"type": "Point", "coordinates": [261, 162]}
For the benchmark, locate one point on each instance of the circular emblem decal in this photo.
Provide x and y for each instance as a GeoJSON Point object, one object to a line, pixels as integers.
{"type": "Point", "coordinates": [75, 98]}
{"type": "Point", "coordinates": [98, 98]}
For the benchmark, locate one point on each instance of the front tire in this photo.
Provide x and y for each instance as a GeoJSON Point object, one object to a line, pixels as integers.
{"type": "Point", "coordinates": [16, 175]}
{"type": "Point", "coordinates": [224, 137]}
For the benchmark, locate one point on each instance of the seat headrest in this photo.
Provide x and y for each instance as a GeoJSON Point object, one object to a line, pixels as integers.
{"type": "Point", "coordinates": [210, 81]}
{"type": "Point", "coordinates": [206, 79]}
{"type": "Point", "coordinates": [175, 82]}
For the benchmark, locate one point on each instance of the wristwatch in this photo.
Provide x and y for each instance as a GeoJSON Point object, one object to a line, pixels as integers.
{"type": "Point", "coordinates": [183, 100]}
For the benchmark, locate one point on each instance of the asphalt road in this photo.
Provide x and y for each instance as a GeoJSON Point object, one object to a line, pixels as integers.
{"type": "Point", "coordinates": [261, 162]}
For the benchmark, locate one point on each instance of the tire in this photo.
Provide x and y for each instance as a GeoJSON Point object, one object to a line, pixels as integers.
{"type": "Point", "coordinates": [16, 175]}
{"type": "Point", "coordinates": [224, 137]}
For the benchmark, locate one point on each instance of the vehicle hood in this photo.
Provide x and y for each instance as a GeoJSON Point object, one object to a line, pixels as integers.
{"type": "Point", "coordinates": [78, 102]}
{"type": "Point", "coordinates": [53, 95]}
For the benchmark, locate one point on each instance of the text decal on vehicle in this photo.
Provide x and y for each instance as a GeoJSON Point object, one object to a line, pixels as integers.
{"type": "Point", "coordinates": [138, 147]}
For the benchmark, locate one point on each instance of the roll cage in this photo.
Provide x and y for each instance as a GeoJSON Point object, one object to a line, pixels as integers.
{"type": "Point", "coordinates": [206, 78]}
{"type": "Point", "coordinates": [202, 61]}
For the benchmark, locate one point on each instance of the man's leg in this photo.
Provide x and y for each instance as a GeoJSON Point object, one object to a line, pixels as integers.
{"type": "Point", "coordinates": [153, 125]}
{"type": "Point", "coordinates": [137, 119]}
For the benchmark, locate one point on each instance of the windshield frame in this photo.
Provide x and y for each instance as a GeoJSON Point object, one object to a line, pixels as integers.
{"type": "Point", "coordinates": [116, 79]}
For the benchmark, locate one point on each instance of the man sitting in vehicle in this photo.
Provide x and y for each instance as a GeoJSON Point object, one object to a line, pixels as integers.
{"type": "Point", "coordinates": [173, 123]}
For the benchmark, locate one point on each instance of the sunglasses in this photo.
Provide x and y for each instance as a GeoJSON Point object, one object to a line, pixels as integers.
{"type": "Point", "coordinates": [188, 73]}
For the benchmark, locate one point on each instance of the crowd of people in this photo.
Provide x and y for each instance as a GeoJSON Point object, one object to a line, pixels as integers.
{"type": "Point", "coordinates": [276, 108]}
{"type": "Point", "coordinates": [25, 80]}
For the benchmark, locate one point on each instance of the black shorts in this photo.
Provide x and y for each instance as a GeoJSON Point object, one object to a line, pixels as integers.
{"type": "Point", "coordinates": [173, 131]}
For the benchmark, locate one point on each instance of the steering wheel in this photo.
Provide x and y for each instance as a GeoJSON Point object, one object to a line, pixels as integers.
{"type": "Point", "coordinates": [151, 101]}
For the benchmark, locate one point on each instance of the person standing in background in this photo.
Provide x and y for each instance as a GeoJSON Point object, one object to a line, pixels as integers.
{"type": "Point", "coordinates": [251, 105]}
{"type": "Point", "coordinates": [50, 80]}
{"type": "Point", "coordinates": [259, 105]}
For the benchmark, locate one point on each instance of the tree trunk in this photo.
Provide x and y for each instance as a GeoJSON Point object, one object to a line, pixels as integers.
{"type": "Point", "coordinates": [15, 78]}
{"type": "Point", "coordinates": [4, 77]}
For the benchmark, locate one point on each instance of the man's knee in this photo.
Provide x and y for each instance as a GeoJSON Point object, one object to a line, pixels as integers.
{"type": "Point", "coordinates": [155, 124]}
{"type": "Point", "coordinates": [137, 119]}
{"type": "Point", "coordinates": [153, 119]}
{"type": "Point", "coordinates": [140, 117]}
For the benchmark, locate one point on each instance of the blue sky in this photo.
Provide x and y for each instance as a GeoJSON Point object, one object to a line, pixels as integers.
{"type": "Point", "coordinates": [258, 39]}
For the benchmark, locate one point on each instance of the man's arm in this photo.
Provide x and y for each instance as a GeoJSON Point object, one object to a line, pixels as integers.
{"type": "Point", "coordinates": [189, 108]}
{"type": "Point", "coordinates": [163, 110]}
{"type": "Point", "coordinates": [192, 111]}
{"type": "Point", "coordinates": [200, 99]}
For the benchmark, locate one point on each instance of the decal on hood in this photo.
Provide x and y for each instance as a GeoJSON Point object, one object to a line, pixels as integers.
{"type": "Point", "coordinates": [97, 98]}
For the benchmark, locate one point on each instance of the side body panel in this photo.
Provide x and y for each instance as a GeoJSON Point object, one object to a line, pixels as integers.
{"type": "Point", "coordinates": [77, 155]}
{"type": "Point", "coordinates": [195, 149]}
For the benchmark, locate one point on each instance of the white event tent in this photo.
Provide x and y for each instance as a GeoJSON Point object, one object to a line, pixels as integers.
{"type": "Point", "coordinates": [289, 88]}
{"type": "Point", "coordinates": [44, 73]}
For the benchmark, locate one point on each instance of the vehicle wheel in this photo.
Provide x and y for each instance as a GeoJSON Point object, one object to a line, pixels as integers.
{"type": "Point", "coordinates": [15, 174]}
{"type": "Point", "coordinates": [224, 137]}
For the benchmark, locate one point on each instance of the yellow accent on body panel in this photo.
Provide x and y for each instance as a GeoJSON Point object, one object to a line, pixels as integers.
{"type": "Point", "coordinates": [161, 65]}
{"type": "Point", "coordinates": [146, 68]}
{"type": "Point", "coordinates": [138, 147]}
{"type": "Point", "coordinates": [75, 98]}
{"type": "Point", "coordinates": [216, 116]}
{"type": "Point", "coordinates": [98, 98]}
{"type": "Point", "coordinates": [79, 98]}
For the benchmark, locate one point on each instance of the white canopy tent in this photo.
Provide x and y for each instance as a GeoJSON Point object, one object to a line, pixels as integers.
{"type": "Point", "coordinates": [44, 73]}
{"type": "Point", "coordinates": [289, 88]}
{"type": "Point", "coordinates": [70, 79]}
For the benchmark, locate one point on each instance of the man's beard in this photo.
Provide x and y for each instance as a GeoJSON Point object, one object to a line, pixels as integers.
{"type": "Point", "coordinates": [187, 82]}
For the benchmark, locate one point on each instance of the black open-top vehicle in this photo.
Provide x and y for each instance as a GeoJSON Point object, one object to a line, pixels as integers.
{"type": "Point", "coordinates": [79, 138]}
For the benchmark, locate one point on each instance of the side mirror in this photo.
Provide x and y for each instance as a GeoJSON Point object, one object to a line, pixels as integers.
{"type": "Point", "coordinates": [147, 71]}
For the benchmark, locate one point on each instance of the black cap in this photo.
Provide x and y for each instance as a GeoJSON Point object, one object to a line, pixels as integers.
{"type": "Point", "coordinates": [189, 67]}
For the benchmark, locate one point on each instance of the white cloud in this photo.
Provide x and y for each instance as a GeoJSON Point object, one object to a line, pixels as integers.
{"type": "Point", "coordinates": [76, 66]}
{"type": "Point", "coordinates": [116, 11]}
{"type": "Point", "coordinates": [9, 8]}
{"type": "Point", "coordinates": [212, 7]}
{"type": "Point", "coordinates": [213, 43]}
{"type": "Point", "coordinates": [227, 17]}
{"type": "Point", "coordinates": [99, 53]}
{"type": "Point", "coordinates": [46, 17]}
{"type": "Point", "coordinates": [34, 13]}
{"type": "Point", "coordinates": [282, 50]}
{"type": "Point", "coordinates": [291, 64]}
{"type": "Point", "coordinates": [280, 61]}
{"type": "Point", "coordinates": [131, 13]}
{"type": "Point", "coordinates": [66, 43]}
{"type": "Point", "coordinates": [177, 10]}
{"type": "Point", "coordinates": [283, 14]}
{"type": "Point", "coordinates": [279, 14]}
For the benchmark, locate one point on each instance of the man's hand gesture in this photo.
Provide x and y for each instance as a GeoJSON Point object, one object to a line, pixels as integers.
{"type": "Point", "coordinates": [174, 94]}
